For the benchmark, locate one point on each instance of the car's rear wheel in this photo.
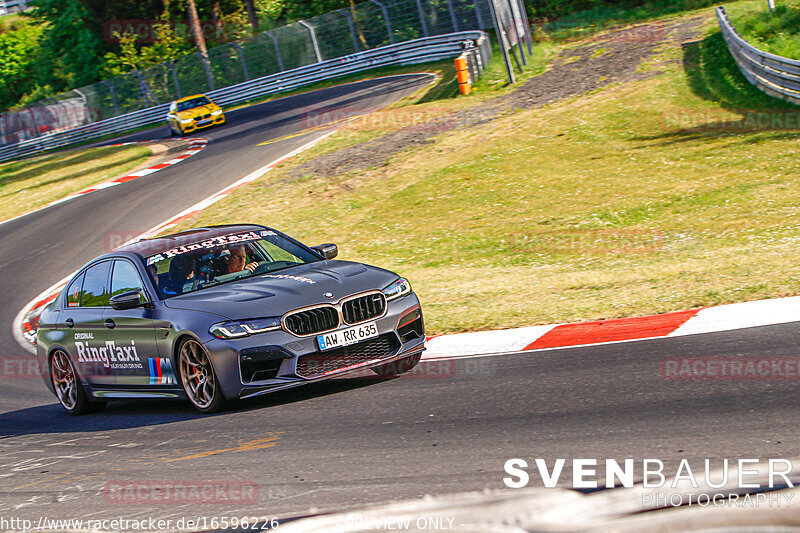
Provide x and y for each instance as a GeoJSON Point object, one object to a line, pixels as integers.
{"type": "Point", "coordinates": [395, 368]}
{"type": "Point", "coordinates": [69, 391]}
{"type": "Point", "coordinates": [198, 377]}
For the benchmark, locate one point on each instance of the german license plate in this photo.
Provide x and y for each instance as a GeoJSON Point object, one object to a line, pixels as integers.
{"type": "Point", "coordinates": [204, 122]}
{"type": "Point", "coordinates": [344, 337]}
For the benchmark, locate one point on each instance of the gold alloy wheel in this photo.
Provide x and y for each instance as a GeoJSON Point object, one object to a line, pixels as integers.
{"type": "Point", "coordinates": [197, 374]}
{"type": "Point", "coordinates": [63, 375]}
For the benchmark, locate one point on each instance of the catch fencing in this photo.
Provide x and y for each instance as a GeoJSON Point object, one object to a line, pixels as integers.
{"type": "Point", "coordinates": [371, 25]}
{"type": "Point", "coordinates": [475, 43]}
{"type": "Point", "coordinates": [775, 75]}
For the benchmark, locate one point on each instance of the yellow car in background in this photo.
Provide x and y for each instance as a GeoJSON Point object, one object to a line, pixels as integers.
{"type": "Point", "coordinates": [193, 113]}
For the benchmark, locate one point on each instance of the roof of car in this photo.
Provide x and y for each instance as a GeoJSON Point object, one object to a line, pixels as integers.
{"type": "Point", "coordinates": [185, 98]}
{"type": "Point", "coordinates": [148, 247]}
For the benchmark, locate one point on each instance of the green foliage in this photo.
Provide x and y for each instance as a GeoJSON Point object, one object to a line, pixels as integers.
{"type": "Point", "coordinates": [69, 54]}
{"type": "Point", "coordinates": [565, 9]}
{"type": "Point", "coordinates": [130, 57]}
{"type": "Point", "coordinates": [778, 32]}
{"type": "Point", "coordinates": [235, 26]}
{"type": "Point", "coordinates": [714, 75]}
{"type": "Point", "coordinates": [17, 48]}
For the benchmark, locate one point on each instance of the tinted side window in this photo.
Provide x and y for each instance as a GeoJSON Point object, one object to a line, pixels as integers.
{"type": "Point", "coordinates": [74, 292]}
{"type": "Point", "coordinates": [95, 286]}
{"type": "Point", "coordinates": [125, 278]}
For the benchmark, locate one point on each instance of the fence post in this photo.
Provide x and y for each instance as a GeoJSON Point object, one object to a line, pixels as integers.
{"type": "Point", "coordinates": [501, 36]}
{"type": "Point", "coordinates": [526, 22]}
{"type": "Point", "coordinates": [244, 61]}
{"type": "Point", "coordinates": [453, 18]}
{"type": "Point", "coordinates": [479, 15]}
{"type": "Point", "coordinates": [144, 89]}
{"type": "Point", "coordinates": [277, 50]}
{"type": "Point", "coordinates": [110, 85]}
{"type": "Point", "coordinates": [424, 22]}
{"type": "Point", "coordinates": [313, 34]}
{"type": "Point", "coordinates": [386, 19]}
{"type": "Point", "coordinates": [346, 14]}
{"type": "Point", "coordinates": [175, 81]}
{"type": "Point", "coordinates": [513, 25]}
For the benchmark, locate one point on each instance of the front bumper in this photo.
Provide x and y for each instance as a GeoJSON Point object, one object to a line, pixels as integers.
{"type": "Point", "coordinates": [284, 350]}
{"type": "Point", "coordinates": [194, 126]}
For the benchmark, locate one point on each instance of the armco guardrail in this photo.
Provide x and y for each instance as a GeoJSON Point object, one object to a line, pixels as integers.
{"type": "Point", "coordinates": [476, 43]}
{"type": "Point", "coordinates": [775, 75]}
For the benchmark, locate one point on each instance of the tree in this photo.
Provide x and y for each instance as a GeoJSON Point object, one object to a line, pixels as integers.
{"type": "Point", "coordinates": [167, 46]}
{"type": "Point", "coordinates": [17, 48]}
{"type": "Point", "coordinates": [199, 40]}
{"type": "Point", "coordinates": [69, 54]}
{"type": "Point", "coordinates": [250, 7]}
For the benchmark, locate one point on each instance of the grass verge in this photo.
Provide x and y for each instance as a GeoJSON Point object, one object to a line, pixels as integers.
{"type": "Point", "coordinates": [777, 32]}
{"type": "Point", "coordinates": [29, 184]}
{"type": "Point", "coordinates": [659, 195]}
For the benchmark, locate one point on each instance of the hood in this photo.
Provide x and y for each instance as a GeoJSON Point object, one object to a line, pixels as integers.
{"type": "Point", "coordinates": [202, 110]}
{"type": "Point", "coordinates": [274, 294]}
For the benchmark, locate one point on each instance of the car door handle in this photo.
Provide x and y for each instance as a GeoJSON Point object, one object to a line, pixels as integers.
{"type": "Point", "coordinates": [109, 323]}
{"type": "Point", "coordinates": [69, 322]}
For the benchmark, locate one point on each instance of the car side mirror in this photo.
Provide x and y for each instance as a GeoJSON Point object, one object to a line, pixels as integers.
{"type": "Point", "coordinates": [328, 251]}
{"type": "Point", "coordinates": [127, 300]}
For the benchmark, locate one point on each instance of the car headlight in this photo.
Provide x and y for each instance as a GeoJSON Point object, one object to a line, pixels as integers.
{"type": "Point", "coordinates": [217, 112]}
{"type": "Point", "coordinates": [234, 329]}
{"type": "Point", "coordinates": [399, 288]}
{"type": "Point", "coordinates": [187, 120]}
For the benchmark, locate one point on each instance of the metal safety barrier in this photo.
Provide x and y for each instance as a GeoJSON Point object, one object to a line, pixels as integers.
{"type": "Point", "coordinates": [427, 49]}
{"type": "Point", "coordinates": [775, 75]}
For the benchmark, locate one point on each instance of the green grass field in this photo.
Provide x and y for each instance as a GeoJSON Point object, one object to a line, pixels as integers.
{"type": "Point", "coordinates": [29, 184]}
{"type": "Point", "coordinates": [664, 194]}
{"type": "Point", "coordinates": [778, 32]}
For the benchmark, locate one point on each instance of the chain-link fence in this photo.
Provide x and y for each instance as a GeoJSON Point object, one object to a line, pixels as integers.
{"type": "Point", "coordinates": [336, 34]}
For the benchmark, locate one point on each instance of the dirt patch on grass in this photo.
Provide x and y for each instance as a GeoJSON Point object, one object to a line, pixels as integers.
{"type": "Point", "coordinates": [613, 57]}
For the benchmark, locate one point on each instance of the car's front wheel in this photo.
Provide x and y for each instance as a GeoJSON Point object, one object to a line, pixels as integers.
{"type": "Point", "coordinates": [198, 377]}
{"type": "Point", "coordinates": [71, 394]}
{"type": "Point", "coordinates": [395, 368]}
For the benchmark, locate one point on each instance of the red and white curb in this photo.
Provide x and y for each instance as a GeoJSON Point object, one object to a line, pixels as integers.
{"type": "Point", "coordinates": [497, 342]}
{"type": "Point", "coordinates": [24, 325]}
{"type": "Point", "coordinates": [703, 320]}
{"type": "Point", "coordinates": [195, 145]}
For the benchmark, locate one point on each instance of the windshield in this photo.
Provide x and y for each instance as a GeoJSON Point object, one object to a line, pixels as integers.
{"type": "Point", "coordinates": [194, 102]}
{"type": "Point", "coordinates": [223, 259]}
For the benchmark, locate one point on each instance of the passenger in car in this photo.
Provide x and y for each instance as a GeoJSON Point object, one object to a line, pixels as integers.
{"type": "Point", "coordinates": [182, 270]}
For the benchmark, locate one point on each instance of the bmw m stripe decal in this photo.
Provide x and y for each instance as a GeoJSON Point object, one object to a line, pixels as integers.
{"type": "Point", "coordinates": [161, 371]}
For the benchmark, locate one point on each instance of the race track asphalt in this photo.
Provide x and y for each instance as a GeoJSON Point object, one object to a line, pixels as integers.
{"type": "Point", "coordinates": [448, 427]}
